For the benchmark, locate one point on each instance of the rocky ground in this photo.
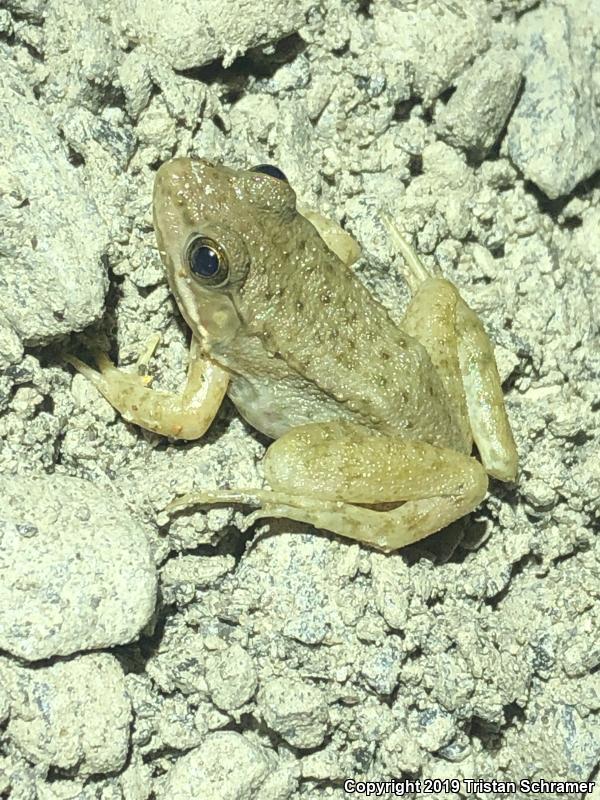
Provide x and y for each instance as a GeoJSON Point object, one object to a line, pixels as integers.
{"type": "Point", "coordinates": [146, 656]}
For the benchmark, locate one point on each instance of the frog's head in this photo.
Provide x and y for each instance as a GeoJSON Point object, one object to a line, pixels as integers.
{"type": "Point", "coordinates": [212, 235]}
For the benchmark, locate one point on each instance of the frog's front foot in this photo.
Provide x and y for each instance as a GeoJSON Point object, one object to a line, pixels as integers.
{"type": "Point", "coordinates": [185, 415]}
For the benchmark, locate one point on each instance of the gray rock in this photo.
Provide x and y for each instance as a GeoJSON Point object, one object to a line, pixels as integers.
{"type": "Point", "coordinates": [181, 577]}
{"type": "Point", "coordinates": [6, 23]}
{"type": "Point", "coordinates": [28, 8]}
{"type": "Point", "coordinates": [433, 728]}
{"type": "Point", "coordinates": [231, 677]}
{"type": "Point", "coordinates": [559, 733]}
{"type": "Point", "coordinates": [518, 6]}
{"type": "Point", "coordinates": [72, 714]}
{"type": "Point", "coordinates": [295, 710]}
{"type": "Point", "coordinates": [437, 39]}
{"type": "Point", "coordinates": [4, 703]}
{"type": "Point", "coordinates": [51, 277]}
{"type": "Point", "coordinates": [554, 133]}
{"type": "Point", "coordinates": [227, 766]}
{"type": "Point", "coordinates": [82, 72]}
{"type": "Point", "coordinates": [136, 81]}
{"type": "Point", "coordinates": [11, 347]}
{"type": "Point", "coordinates": [76, 571]}
{"type": "Point", "coordinates": [195, 32]}
{"type": "Point", "coordinates": [381, 665]}
{"type": "Point", "coordinates": [477, 111]}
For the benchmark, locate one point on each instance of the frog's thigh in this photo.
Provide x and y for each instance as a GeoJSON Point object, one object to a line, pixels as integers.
{"type": "Point", "coordinates": [186, 415]}
{"type": "Point", "coordinates": [463, 355]}
{"type": "Point", "coordinates": [485, 400]}
{"type": "Point", "coordinates": [319, 472]}
{"type": "Point", "coordinates": [468, 343]}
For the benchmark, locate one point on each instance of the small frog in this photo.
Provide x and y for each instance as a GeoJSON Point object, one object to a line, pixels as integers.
{"type": "Point", "coordinates": [373, 422]}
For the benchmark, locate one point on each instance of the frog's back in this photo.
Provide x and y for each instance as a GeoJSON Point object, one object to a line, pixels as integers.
{"type": "Point", "coordinates": [328, 350]}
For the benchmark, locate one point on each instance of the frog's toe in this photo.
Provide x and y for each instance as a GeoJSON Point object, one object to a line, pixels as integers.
{"type": "Point", "coordinates": [123, 390]}
{"type": "Point", "coordinates": [262, 498]}
{"type": "Point", "coordinates": [250, 497]}
{"type": "Point", "coordinates": [107, 374]}
{"type": "Point", "coordinates": [268, 503]}
{"type": "Point", "coordinates": [89, 372]}
{"type": "Point", "coordinates": [414, 270]}
{"type": "Point", "coordinates": [148, 352]}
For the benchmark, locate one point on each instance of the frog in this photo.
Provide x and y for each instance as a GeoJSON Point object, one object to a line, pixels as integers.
{"type": "Point", "coordinates": [373, 421]}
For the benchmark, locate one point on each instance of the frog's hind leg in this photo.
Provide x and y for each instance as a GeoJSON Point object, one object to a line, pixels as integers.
{"type": "Point", "coordinates": [463, 355]}
{"type": "Point", "coordinates": [485, 400]}
{"type": "Point", "coordinates": [186, 415]}
{"type": "Point", "coordinates": [385, 492]}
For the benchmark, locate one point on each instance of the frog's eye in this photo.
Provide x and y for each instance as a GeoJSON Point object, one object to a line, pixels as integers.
{"type": "Point", "coordinates": [207, 261]}
{"type": "Point", "coordinates": [269, 169]}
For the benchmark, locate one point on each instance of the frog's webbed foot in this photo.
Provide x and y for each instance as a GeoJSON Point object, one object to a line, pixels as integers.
{"type": "Point", "coordinates": [186, 415]}
{"type": "Point", "coordinates": [385, 492]}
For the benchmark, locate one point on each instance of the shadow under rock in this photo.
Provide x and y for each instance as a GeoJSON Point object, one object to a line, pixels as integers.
{"type": "Point", "coordinates": [255, 64]}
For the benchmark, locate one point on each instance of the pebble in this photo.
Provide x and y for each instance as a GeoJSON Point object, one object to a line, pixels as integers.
{"type": "Point", "coordinates": [477, 112]}
{"type": "Point", "coordinates": [438, 40]}
{"type": "Point", "coordinates": [231, 677]}
{"type": "Point", "coordinates": [295, 710]}
{"type": "Point", "coordinates": [72, 714]}
{"type": "Point", "coordinates": [227, 766]}
{"type": "Point", "coordinates": [76, 571]}
{"type": "Point", "coordinates": [192, 34]}
{"type": "Point", "coordinates": [53, 281]}
{"type": "Point", "coordinates": [554, 132]}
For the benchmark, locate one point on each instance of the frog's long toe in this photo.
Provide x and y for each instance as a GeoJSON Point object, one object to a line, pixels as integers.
{"type": "Point", "coordinates": [265, 499]}
{"type": "Point", "coordinates": [110, 381]}
{"type": "Point", "coordinates": [415, 272]}
{"type": "Point", "coordinates": [251, 497]}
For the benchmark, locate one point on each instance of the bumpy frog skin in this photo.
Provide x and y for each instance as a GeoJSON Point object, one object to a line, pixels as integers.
{"type": "Point", "coordinates": [374, 422]}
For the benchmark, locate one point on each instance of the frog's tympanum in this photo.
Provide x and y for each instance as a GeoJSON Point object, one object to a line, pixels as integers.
{"type": "Point", "coordinates": [374, 422]}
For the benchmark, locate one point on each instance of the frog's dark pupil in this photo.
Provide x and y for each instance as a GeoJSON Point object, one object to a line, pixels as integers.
{"type": "Point", "coordinates": [204, 262]}
{"type": "Point", "coordinates": [269, 169]}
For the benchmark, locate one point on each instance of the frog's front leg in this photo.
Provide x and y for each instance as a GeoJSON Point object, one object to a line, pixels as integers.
{"type": "Point", "coordinates": [384, 491]}
{"type": "Point", "coordinates": [343, 244]}
{"type": "Point", "coordinates": [186, 415]}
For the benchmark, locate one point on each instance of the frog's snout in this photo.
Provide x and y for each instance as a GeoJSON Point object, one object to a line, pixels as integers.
{"type": "Point", "coordinates": [170, 174]}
